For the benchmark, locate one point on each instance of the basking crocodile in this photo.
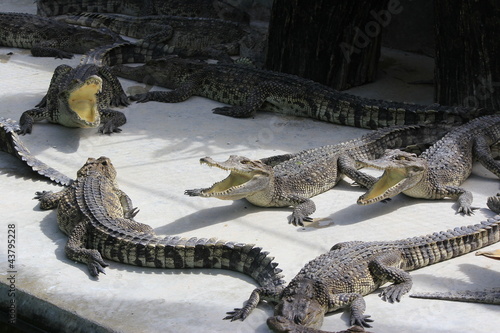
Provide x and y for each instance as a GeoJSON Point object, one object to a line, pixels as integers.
{"type": "Point", "coordinates": [188, 8]}
{"type": "Point", "coordinates": [12, 144]}
{"type": "Point", "coordinates": [250, 89]}
{"type": "Point", "coordinates": [80, 97]}
{"type": "Point", "coordinates": [49, 38]}
{"type": "Point", "coordinates": [99, 220]}
{"type": "Point", "coordinates": [188, 36]}
{"type": "Point", "coordinates": [339, 278]}
{"type": "Point", "coordinates": [291, 179]}
{"type": "Point", "coordinates": [438, 172]}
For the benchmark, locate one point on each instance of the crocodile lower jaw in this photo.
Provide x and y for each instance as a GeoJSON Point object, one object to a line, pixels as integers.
{"type": "Point", "coordinates": [391, 183]}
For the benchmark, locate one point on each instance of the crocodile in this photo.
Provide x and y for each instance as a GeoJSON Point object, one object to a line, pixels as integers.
{"type": "Point", "coordinates": [47, 37]}
{"type": "Point", "coordinates": [12, 144]}
{"type": "Point", "coordinates": [187, 36]}
{"type": "Point", "coordinates": [292, 179]}
{"type": "Point", "coordinates": [98, 218]}
{"type": "Point", "coordinates": [80, 97]}
{"type": "Point", "coordinates": [249, 89]}
{"type": "Point", "coordinates": [341, 277]}
{"type": "Point", "coordinates": [438, 172]}
{"type": "Point", "coordinates": [187, 8]}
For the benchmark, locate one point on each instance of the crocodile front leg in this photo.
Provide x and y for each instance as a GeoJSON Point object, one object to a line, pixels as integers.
{"type": "Point", "coordinates": [76, 250]}
{"type": "Point", "coordinates": [464, 198]}
{"type": "Point", "coordinates": [29, 117]}
{"type": "Point", "coordinates": [303, 207]}
{"type": "Point", "coordinates": [256, 296]}
{"type": "Point", "coordinates": [111, 121]}
{"type": "Point", "coordinates": [357, 305]}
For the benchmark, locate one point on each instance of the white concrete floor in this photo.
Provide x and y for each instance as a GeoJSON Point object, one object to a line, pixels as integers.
{"type": "Point", "coordinates": [156, 157]}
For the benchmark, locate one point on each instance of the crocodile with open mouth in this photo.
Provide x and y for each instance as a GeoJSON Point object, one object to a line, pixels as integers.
{"type": "Point", "coordinates": [80, 97]}
{"type": "Point", "coordinates": [439, 171]}
{"type": "Point", "coordinates": [292, 179]}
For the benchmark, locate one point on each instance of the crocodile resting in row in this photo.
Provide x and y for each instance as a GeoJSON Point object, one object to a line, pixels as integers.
{"type": "Point", "coordinates": [341, 277]}
{"type": "Point", "coordinates": [12, 144]}
{"type": "Point", "coordinates": [187, 8]}
{"type": "Point", "coordinates": [250, 89]}
{"type": "Point", "coordinates": [292, 179]}
{"type": "Point", "coordinates": [438, 172]}
{"type": "Point", "coordinates": [80, 97]}
{"type": "Point", "coordinates": [162, 35]}
{"type": "Point", "coordinates": [50, 38]}
{"type": "Point", "coordinates": [99, 220]}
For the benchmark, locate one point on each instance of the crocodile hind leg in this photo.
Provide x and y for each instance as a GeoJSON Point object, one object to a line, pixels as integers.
{"type": "Point", "coordinates": [253, 102]}
{"type": "Point", "coordinates": [385, 268]}
{"type": "Point", "coordinates": [76, 250]}
{"type": "Point", "coordinates": [483, 154]}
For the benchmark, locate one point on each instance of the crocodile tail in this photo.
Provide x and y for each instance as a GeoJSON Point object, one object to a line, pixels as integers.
{"type": "Point", "coordinates": [177, 252]}
{"type": "Point", "coordinates": [444, 245]}
{"type": "Point", "coordinates": [12, 144]}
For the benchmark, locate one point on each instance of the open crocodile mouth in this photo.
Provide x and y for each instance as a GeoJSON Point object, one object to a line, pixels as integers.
{"type": "Point", "coordinates": [391, 183]}
{"type": "Point", "coordinates": [83, 100]}
{"type": "Point", "coordinates": [222, 190]}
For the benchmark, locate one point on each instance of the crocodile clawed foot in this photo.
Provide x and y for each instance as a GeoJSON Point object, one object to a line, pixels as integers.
{"type": "Point", "coordinates": [236, 314]}
{"type": "Point", "coordinates": [109, 128]}
{"type": "Point", "coordinates": [25, 129]}
{"type": "Point", "coordinates": [394, 292]}
{"type": "Point", "coordinates": [466, 210]}
{"type": "Point", "coordinates": [298, 220]}
{"type": "Point", "coordinates": [132, 213]}
{"type": "Point", "coordinates": [39, 195]}
{"type": "Point", "coordinates": [362, 320]}
{"type": "Point", "coordinates": [96, 264]}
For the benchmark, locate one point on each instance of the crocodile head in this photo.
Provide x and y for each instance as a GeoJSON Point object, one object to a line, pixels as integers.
{"type": "Point", "coordinates": [102, 166]}
{"type": "Point", "coordinates": [402, 172]}
{"type": "Point", "coordinates": [304, 303]}
{"type": "Point", "coordinates": [246, 178]}
{"type": "Point", "coordinates": [78, 102]}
